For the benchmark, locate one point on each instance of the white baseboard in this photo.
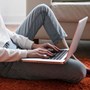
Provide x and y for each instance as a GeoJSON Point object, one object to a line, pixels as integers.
{"type": "Point", "coordinates": [13, 19]}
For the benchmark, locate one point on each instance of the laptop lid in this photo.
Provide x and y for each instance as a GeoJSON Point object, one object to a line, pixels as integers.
{"type": "Point", "coordinates": [77, 36]}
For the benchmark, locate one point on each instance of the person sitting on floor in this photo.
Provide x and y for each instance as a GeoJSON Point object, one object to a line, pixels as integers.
{"type": "Point", "coordinates": [17, 45]}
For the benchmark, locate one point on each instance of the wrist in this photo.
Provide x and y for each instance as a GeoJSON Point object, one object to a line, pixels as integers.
{"type": "Point", "coordinates": [28, 53]}
{"type": "Point", "coordinates": [23, 53]}
{"type": "Point", "coordinates": [34, 46]}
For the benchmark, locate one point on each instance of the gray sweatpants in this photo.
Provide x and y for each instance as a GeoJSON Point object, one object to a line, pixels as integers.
{"type": "Point", "coordinates": [72, 71]}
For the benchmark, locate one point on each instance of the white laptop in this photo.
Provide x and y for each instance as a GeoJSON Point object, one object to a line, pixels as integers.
{"type": "Point", "coordinates": [64, 54]}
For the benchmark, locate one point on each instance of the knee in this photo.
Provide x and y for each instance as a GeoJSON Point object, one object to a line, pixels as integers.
{"type": "Point", "coordinates": [44, 8]}
{"type": "Point", "coordinates": [78, 72]}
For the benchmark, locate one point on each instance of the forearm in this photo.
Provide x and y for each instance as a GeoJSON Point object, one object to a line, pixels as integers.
{"type": "Point", "coordinates": [21, 41]}
{"type": "Point", "coordinates": [10, 55]}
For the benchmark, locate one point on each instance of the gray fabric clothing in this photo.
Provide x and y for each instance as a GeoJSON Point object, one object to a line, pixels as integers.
{"type": "Point", "coordinates": [72, 71]}
{"type": "Point", "coordinates": [41, 15]}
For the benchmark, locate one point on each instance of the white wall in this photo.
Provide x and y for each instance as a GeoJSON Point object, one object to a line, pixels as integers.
{"type": "Point", "coordinates": [13, 11]}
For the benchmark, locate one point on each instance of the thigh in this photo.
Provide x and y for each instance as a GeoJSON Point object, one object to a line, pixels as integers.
{"type": "Point", "coordinates": [70, 71]}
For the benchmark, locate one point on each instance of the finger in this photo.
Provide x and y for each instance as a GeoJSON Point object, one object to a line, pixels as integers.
{"type": "Point", "coordinates": [53, 47]}
{"type": "Point", "coordinates": [44, 51]}
{"type": "Point", "coordinates": [56, 48]}
{"type": "Point", "coordinates": [42, 56]}
{"type": "Point", "coordinates": [45, 56]}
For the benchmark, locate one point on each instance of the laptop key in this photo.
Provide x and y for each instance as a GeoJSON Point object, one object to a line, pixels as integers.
{"type": "Point", "coordinates": [58, 55]}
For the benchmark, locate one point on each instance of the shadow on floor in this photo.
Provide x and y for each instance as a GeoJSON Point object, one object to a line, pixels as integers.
{"type": "Point", "coordinates": [83, 49]}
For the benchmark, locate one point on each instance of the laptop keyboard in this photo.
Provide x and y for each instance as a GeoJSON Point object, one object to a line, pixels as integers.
{"type": "Point", "coordinates": [58, 55]}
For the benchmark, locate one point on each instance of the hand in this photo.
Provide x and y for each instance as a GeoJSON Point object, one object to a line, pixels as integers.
{"type": "Point", "coordinates": [39, 53]}
{"type": "Point", "coordinates": [45, 46]}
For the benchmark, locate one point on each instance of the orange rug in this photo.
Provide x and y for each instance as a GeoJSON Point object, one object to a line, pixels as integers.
{"type": "Point", "coordinates": [13, 84]}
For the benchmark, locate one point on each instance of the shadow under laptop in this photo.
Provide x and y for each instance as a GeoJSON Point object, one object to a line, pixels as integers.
{"type": "Point", "coordinates": [83, 49]}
